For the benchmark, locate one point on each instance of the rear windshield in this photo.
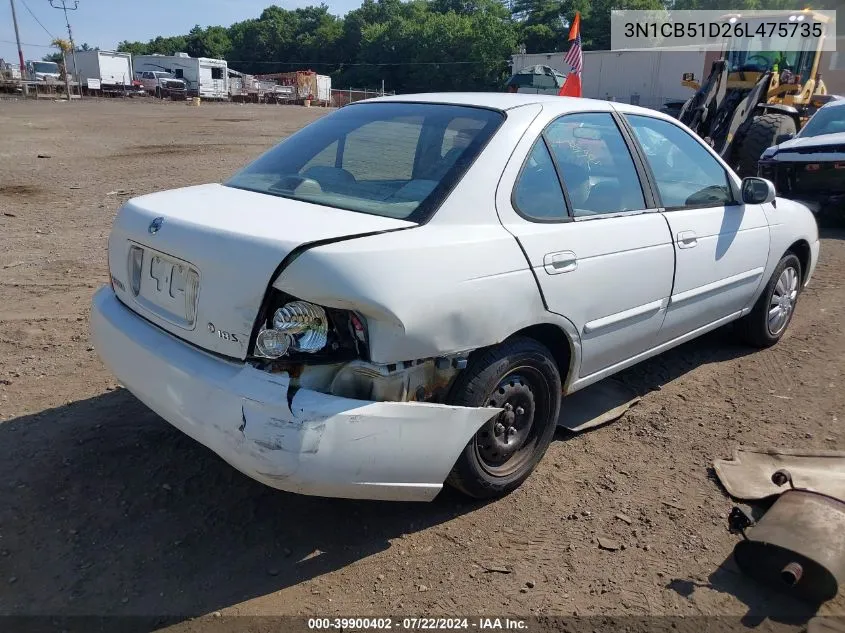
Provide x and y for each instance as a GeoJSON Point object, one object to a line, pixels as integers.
{"type": "Point", "coordinates": [829, 120]}
{"type": "Point", "coordinates": [396, 160]}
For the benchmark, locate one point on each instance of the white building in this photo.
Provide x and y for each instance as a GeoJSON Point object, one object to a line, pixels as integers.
{"type": "Point", "coordinates": [648, 78]}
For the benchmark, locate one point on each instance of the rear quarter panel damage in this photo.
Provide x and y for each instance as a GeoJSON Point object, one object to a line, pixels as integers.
{"type": "Point", "coordinates": [430, 291]}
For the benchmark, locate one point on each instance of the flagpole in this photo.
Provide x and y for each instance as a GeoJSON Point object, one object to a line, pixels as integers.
{"type": "Point", "coordinates": [575, 58]}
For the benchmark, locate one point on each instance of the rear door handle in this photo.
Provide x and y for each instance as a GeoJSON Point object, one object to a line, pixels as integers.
{"type": "Point", "coordinates": [562, 262]}
{"type": "Point", "coordinates": [687, 239]}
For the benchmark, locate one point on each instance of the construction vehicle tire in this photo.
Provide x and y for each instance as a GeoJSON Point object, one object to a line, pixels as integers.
{"type": "Point", "coordinates": [759, 136]}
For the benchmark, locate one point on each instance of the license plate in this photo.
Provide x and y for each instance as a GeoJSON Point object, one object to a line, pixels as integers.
{"type": "Point", "coordinates": [167, 286]}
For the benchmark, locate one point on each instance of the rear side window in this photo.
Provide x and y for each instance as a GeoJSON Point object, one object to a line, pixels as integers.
{"type": "Point", "coordinates": [595, 164]}
{"type": "Point", "coordinates": [537, 194]}
{"type": "Point", "coordinates": [687, 175]}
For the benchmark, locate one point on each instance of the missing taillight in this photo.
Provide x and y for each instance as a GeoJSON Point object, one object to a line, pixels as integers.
{"type": "Point", "coordinates": [291, 330]}
{"type": "Point", "coordinates": [136, 264]}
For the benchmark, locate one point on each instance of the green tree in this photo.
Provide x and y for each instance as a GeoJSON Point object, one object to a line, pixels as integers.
{"type": "Point", "coordinates": [213, 42]}
{"type": "Point", "coordinates": [440, 51]}
{"type": "Point", "coordinates": [135, 48]}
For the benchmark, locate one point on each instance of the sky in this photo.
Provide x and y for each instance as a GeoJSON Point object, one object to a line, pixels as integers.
{"type": "Point", "coordinates": [104, 23]}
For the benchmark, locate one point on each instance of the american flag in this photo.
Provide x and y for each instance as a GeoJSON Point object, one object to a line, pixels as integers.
{"type": "Point", "coordinates": [572, 86]}
{"type": "Point", "coordinates": [574, 57]}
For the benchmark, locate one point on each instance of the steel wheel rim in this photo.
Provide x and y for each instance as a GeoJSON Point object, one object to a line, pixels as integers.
{"type": "Point", "coordinates": [782, 301]}
{"type": "Point", "coordinates": [506, 442]}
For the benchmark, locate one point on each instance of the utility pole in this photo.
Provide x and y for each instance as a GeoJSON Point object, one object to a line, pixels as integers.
{"type": "Point", "coordinates": [64, 7]}
{"type": "Point", "coordinates": [18, 39]}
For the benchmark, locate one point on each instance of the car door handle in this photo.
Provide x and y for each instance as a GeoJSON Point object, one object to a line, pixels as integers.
{"type": "Point", "coordinates": [687, 239]}
{"type": "Point", "coordinates": [562, 262]}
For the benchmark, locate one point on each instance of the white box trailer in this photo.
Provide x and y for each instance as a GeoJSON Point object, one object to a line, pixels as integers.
{"type": "Point", "coordinates": [648, 78]}
{"type": "Point", "coordinates": [206, 78]}
{"type": "Point", "coordinates": [324, 89]}
{"type": "Point", "coordinates": [113, 70]}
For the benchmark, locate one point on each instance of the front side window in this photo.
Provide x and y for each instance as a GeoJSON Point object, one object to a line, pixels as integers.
{"type": "Point", "coordinates": [381, 158]}
{"type": "Point", "coordinates": [217, 73]}
{"type": "Point", "coordinates": [687, 175]}
{"type": "Point", "coordinates": [595, 164]}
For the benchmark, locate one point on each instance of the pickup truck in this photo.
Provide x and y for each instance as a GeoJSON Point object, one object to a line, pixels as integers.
{"type": "Point", "coordinates": [162, 84]}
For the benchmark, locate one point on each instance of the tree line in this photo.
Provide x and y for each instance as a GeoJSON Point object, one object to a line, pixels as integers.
{"type": "Point", "coordinates": [418, 45]}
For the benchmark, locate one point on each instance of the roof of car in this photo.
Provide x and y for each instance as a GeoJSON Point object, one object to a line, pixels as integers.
{"type": "Point", "coordinates": [506, 100]}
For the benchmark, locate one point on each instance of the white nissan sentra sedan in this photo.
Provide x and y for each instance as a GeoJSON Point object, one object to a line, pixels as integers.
{"type": "Point", "coordinates": [399, 295]}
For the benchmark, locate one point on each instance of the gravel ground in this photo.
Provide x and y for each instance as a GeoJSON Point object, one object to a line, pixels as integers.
{"type": "Point", "coordinates": [107, 510]}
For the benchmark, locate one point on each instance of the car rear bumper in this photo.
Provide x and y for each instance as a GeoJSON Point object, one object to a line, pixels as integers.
{"type": "Point", "coordinates": [296, 440]}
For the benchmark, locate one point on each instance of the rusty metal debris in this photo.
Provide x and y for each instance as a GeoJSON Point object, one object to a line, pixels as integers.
{"type": "Point", "coordinates": [797, 546]}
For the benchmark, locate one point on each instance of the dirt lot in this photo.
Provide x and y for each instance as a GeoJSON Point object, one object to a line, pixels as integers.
{"type": "Point", "coordinates": [106, 509]}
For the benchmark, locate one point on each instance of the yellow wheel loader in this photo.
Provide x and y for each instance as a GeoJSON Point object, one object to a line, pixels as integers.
{"type": "Point", "coordinates": [756, 93]}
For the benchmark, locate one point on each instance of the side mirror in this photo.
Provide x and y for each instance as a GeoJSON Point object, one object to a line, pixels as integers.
{"type": "Point", "coordinates": [758, 191]}
{"type": "Point", "coordinates": [783, 138]}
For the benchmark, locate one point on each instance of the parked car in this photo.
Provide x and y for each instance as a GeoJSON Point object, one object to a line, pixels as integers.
{"type": "Point", "coordinates": [162, 84]}
{"type": "Point", "coordinates": [536, 80]}
{"type": "Point", "coordinates": [400, 293]}
{"type": "Point", "coordinates": [810, 166]}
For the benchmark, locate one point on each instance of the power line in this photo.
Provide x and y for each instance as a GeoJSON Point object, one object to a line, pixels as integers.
{"type": "Point", "coordinates": [25, 44]}
{"type": "Point", "coordinates": [26, 6]}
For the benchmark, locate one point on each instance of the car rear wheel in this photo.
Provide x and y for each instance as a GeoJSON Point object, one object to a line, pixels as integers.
{"type": "Point", "coordinates": [766, 323]}
{"type": "Point", "coordinates": [521, 378]}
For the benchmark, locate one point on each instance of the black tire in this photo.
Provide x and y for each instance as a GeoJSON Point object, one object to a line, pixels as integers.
{"type": "Point", "coordinates": [522, 374]}
{"type": "Point", "coordinates": [756, 328]}
{"type": "Point", "coordinates": [759, 136]}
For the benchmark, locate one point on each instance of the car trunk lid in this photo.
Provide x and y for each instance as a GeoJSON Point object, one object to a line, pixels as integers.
{"type": "Point", "coordinates": [197, 261]}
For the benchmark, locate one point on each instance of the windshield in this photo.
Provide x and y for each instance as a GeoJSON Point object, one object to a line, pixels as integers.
{"type": "Point", "coordinates": [397, 160]}
{"type": "Point", "coordinates": [45, 67]}
{"type": "Point", "coordinates": [164, 75]}
{"type": "Point", "coordinates": [829, 120]}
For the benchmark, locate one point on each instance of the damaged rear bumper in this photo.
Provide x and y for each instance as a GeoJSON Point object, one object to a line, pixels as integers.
{"type": "Point", "coordinates": [296, 440]}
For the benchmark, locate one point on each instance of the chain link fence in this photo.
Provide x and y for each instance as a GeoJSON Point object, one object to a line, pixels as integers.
{"type": "Point", "coordinates": [342, 97]}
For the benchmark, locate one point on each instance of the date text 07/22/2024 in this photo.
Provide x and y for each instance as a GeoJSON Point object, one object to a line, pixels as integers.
{"type": "Point", "coordinates": [421, 623]}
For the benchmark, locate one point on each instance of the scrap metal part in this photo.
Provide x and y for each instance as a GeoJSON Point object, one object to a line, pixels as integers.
{"type": "Point", "coordinates": [748, 476]}
{"type": "Point", "coordinates": [798, 546]}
